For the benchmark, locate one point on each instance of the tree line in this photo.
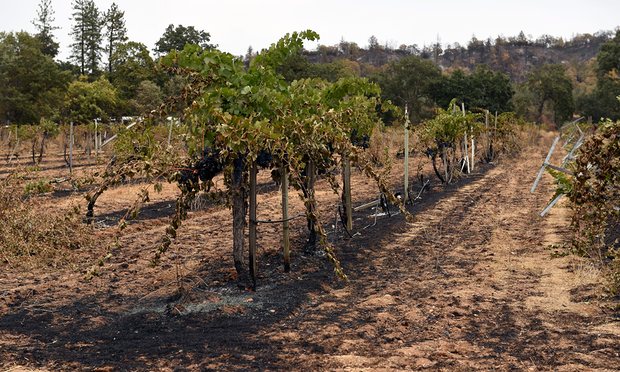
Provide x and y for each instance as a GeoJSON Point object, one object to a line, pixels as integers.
{"type": "Point", "coordinates": [109, 76]}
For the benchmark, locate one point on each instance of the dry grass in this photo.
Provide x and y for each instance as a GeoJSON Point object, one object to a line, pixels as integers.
{"type": "Point", "coordinates": [30, 238]}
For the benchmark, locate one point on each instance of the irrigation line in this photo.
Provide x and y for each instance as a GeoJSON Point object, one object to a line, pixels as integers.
{"type": "Point", "coordinates": [278, 221]}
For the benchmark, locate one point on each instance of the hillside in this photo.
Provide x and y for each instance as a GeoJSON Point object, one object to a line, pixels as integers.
{"type": "Point", "coordinates": [515, 56]}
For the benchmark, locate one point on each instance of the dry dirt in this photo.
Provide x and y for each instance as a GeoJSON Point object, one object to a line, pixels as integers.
{"type": "Point", "coordinates": [471, 284]}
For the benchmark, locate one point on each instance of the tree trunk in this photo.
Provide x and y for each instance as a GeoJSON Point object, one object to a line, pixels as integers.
{"type": "Point", "coordinates": [253, 265]}
{"type": "Point", "coordinates": [540, 111]}
{"type": "Point", "coordinates": [434, 162]}
{"type": "Point", "coordinates": [285, 225]}
{"type": "Point", "coordinates": [42, 148]}
{"type": "Point", "coordinates": [34, 144]}
{"type": "Point", "coordinates": [346, 193]}
{"type": "Point", "coordinates": [445, 165]}
{"type": "Point", "coordinates": [311, 205]}
{"type": "Point", "coordinates": [239, 212]}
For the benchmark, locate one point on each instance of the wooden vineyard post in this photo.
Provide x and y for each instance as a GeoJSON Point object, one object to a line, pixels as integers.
{"type": "Point", "coordinates": [445, 163]}
{"type": "Point", "coordinates": [406, 183]}
{"type": "Point", "coordinates": [8, 141]}
{"type": "Point", "coordinates": [71, 148]}
{"type": "Point", "coordinates": [88, 137]}
{"type": "Point", "coordinates": [286, 243]}
{"type": "Point", "coordinates": [96, 140]}
{"type": "Point", "coordinates": [346, 192]}
{"type": "Point", "coordinates": [252, 231]}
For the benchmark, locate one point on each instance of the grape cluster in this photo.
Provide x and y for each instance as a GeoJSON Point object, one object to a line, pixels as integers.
{"type": "Point", "coordinates": [358, 140]}
{"type": "Point", "coordinates": [209, 165]}
{"type": "Point", "coordinates": [204, 169]}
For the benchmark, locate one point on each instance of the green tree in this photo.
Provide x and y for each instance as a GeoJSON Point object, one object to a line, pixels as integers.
{"type": "Point", "coordinates": [86, 101]}
{"type": "Point", "coordinates": [609, 57]}
{"type": "Point", "coordinates": [31, 83]}
{"type": "Point", "coordinates": [483, 89]}
{"type": "Point", "coordinates": [131, 64]}
{"type": "Point", "coordinates": [549, 84]}
{"type": "Point", "coordinates": [116, 32]}
{"type": "Point", "coordinates": [148, 97]}
{"type": "Point", "coordinates": [409, 82]}
{"type": "Point", "coordinates": [523, 103]}
{"type": "Point", "coordinates": [175, 38]}
{"type": "Point", "coordinates": [602, 102]}
{"type": "Point", "coordinates": [297, 67]}
{"type": "Point", "coordinates": [87, 36]}
{"type": "Point", "coordinates": [45, 28]}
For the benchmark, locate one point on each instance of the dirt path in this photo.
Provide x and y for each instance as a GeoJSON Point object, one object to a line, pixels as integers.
{"type": "Point", "coordinates": [469, 285]}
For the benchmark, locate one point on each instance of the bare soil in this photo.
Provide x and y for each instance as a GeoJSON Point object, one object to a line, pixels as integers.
{"type": "Point", "coordinates": [471, 284]}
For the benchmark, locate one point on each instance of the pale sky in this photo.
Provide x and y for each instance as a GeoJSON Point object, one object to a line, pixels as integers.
{"type": "Point", "coordinates": [235, 25]}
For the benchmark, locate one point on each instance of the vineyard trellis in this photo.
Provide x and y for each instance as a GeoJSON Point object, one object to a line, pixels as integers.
{"type": "Point", "coordinates": [242, 116]}
{"type": "Point", "coordinates": [241, 119]}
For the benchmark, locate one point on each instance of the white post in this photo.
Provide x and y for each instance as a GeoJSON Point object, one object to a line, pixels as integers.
{"type": "Point", "coordinates": [473, 155]}
{"type": "Point", "coordinates": [487, 145]}
{"type": "Point", "coordinates": [170, 132]}
{"type": "Point", "coordinates": [542, 168]}
{"type": "Point", "coordinates": [466, 149]}
{"type": "Point", "coordinates": [406, 193]}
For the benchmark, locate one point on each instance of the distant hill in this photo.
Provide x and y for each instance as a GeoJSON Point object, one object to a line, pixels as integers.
{"type": "Point", "coordinates": [515, 56]}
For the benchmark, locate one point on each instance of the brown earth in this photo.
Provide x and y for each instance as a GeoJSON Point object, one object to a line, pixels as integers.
{"type": "Point", "coordinates": [471, 284]}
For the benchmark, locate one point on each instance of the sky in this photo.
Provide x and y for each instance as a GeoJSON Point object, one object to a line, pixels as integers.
{"type": "Point", "coordinates": [236, 25]}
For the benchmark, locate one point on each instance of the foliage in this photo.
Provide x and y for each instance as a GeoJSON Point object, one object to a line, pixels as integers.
{"type": "Point", "coordinates": [116, 32]}
{"type": "Point", "coordinates": [131, 64]}
{"type": "Point", "coordinates": [505, 134]}
{"type": "Point", "coordinates": [596, 193]}
{"type": "Point", "coordinates": [564, 183]}
{"type": "Point", "coordinates": [523, 102]}
{"type": "Point", "coordinates": [602, 102]}
{"type": "Point", "coordinates": [31, 84]}
{"type": "Point", "coordinates": [176, 38]}
{"type": "Point", "coordinates": [45, 28]}
{"type": "Point", "coordinates": [87, 36]}
{"type": "Point", "coordinates": [409, 81]}
{"type": "Point", "coordinates": [298, 67]}
{"type": "Point", "coordinates": [483, 89]}
{"type": "Point", "coordinates": [448, 126]}
{"type": "Point", "coordinates": [37, 135]}
{"type": "Point", "coordinates": [148, 97]}
{"type": "Point", "coordinates": [239, 113]}
{"type": "Point", "coordinates": [549, 84]}
{"type": "Point", "coordinates": [37, 187]}
{"type": "Point", "coordinates": [87, 101]}
{"type": "Point", "coordinates": [443, 134]}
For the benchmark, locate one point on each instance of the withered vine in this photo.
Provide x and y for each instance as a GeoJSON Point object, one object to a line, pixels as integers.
{"type": "Point", "coordinates": [235, 116]}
